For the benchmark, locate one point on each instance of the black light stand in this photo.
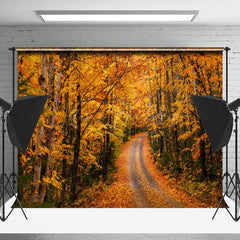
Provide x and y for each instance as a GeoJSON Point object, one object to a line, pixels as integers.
{"type": "Point", "coordinates": [4, 180]}
{"type": "Point", "coordinates": [234, 180]}
{"type": "Point", "coordinates": [217, 120]}
{"type": "Point", "coordinates": [22, 118]}
{"type": "Point", "coordinates": [230, 179]}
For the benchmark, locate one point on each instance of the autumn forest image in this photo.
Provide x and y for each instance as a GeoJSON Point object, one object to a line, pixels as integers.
{"type": "Point", "coordinates": [119, 129]}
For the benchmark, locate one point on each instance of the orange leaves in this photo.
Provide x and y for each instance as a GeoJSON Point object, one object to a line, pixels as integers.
{"type": "Point", "coordinates": [168, 183]}
{"type": "Point", "coordinates": [53, 180]}
{"type": "Point", "coordinates": [117, 195]}
{"type": "Point", "coordinates": [185, 135]}
{"type": "Point", "coordinates": [44, 149]}
{"type": "Point", "coordinates": [101, 99]}
{"type": "Point", "coordinates": [24, 159]}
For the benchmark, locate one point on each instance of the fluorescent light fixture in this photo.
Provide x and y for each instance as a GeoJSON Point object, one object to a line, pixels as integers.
{"type": "Point", "coordinates": [117, 16]}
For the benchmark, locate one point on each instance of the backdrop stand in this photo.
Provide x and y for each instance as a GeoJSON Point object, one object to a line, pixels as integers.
{"type": "Point", "coordinates": [226, 175]}
{"type": "Point", "coordinates": [13, 175]}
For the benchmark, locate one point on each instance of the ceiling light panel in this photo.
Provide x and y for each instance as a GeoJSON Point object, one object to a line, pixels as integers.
{"type": "Point", "coordinates": [116, 16]}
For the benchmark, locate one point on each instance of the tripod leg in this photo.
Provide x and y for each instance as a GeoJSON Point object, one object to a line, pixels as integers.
{"type": "Point", "coordinates": [12, 176]}
{"type": "Point", "coordinates": [20, 205]}
{"type": "Point", "coordinates": [231, 182]}
{"type": "Point", "coordinates": [219, 205]}
{"type": "Point", "coordinates": [8, 179]}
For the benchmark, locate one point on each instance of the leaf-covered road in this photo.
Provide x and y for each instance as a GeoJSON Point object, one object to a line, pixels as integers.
{"type": "Point", "coordinates": [138, 183]}
{"type": "Point", "coordinates": [147, 191]}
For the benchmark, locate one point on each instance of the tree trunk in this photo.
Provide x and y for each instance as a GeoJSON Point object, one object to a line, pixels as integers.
{"type": "Point", "coordinates": [203, 159]}
{"type": "Point", "coordinates": [162, 141]}
{"type": "Point", "coordinates": [66, 140]}
{"type": "Point", "coordinates": [74, 167]}
{"type": "Point", "coordinates": [153, 132]}
{"type": "Point", "coordinates": [40, 129]}
{"type": "Point", "coordinates": [177, 152]}
{"type": "Point", "coordinates": [108, 149]}
{"type": "Point", "coordinates": [169, 108]}
{"type": "Point", "coordinates": [51, 121]}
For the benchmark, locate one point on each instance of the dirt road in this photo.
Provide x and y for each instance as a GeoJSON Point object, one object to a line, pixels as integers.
{"type": "Point", "coordinates": [139, 184]}
{"type": "Point", "coordinates": [149, 194]}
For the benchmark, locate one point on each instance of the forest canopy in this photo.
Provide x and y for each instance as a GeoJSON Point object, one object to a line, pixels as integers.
{"type": "Point", "coordinates": [99, 100]}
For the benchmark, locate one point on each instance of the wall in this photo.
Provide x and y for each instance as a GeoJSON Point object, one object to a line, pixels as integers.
{"type": "Point", "coordinates": [118, 36]}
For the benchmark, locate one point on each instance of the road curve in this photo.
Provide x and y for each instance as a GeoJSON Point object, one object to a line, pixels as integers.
{"type": "Point", "coordinates": [148, 193]}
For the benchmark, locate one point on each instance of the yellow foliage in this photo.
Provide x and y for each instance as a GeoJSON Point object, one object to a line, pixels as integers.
{"type": "Point", "coordinates": [100, 99]}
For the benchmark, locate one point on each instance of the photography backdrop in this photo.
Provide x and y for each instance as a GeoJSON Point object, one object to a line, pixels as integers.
{"type": "Point", "coordinates": [111, 220]}
{"type": "Point", "coordinates": [117, 124]}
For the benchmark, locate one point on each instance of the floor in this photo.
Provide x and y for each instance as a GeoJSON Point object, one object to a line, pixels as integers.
{"type": "Point", "coordinates": [119, 236]}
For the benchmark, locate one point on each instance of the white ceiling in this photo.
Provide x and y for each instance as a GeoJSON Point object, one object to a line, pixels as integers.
{"type": "Point", "coordinates": [211, 12]}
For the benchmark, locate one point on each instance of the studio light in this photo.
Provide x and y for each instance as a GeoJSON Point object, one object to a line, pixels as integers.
{"type": "Point", "coordinates": [22, 118]}
{"type": "Point", "coordinates": [116, 16]}
{"type": "Point", "coordinates": [217, 120]}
